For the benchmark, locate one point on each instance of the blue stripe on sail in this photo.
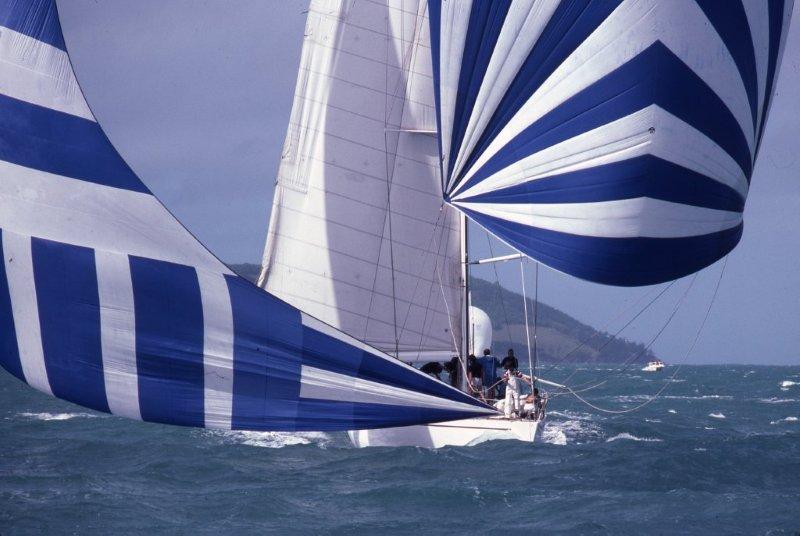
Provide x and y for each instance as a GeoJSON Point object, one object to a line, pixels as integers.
{"type": "Point", "coordinates": [267, 343]}
{"type": "Point", "coordinates": [730, 21]}
{"type": "Point", "coordinates": [642, 176]}
{"type": "Point", "coordinates": [9, 351]}
{"type": "Point", "coordinates": [485, 22]}
{"type": "Point", "coordinates": [625, 262]}
{"type": "Point", "coordinates": [656, 76]}
{"type": "Point", "coordinates": [434, 21]}
{"type": "Point", "coordinates": [63, 144]}
{"type": "Point", "coordinates": [169, 342]}
{"type": "Point", "coordinates": [328, 415]}
{"type": "Point", "coordinates": [318, 349]}
{"type": "Point", "coordinates": [776, 30]}
{"type": "Point", "coordinates": [572, 22]}
{"type": "Point", "coordinates": [35, 18]}
{"type": "Point", "coordinates": [69, 316]}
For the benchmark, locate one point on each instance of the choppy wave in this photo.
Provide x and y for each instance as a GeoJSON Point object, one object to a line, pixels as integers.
{"type": "Point", "coordinates": [699, 397]}
{"type": "Point", "coordinates": [631, 437]}
{"type": "Point", "coordinates": [776, 400]}
{"type": "Point", "coordinates": [716, 415]}
{"type": "Point", "coordinates": [56, 416]}
{"type": "Point", "coordinates": [785, 419]}
{"type": "Point", "coordinates": [788, 383]}
{"type": "Point", "coordinates": [273, 440]}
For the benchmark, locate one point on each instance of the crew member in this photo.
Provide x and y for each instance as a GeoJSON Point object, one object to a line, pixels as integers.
{"type": "Point", "coordinates": [475, 376]}
{"type": "Point", "coordinates": [433, 368]}
{"type": "Point", "coordinates": [510, 359]}
{"type": "Point", "coordinates": [489, 363]}
{"type": "Point", "coordinates": [512, 378]}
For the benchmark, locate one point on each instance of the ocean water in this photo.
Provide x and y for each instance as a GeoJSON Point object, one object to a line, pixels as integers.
{"type": "Point", "coordinates": [718, 453]}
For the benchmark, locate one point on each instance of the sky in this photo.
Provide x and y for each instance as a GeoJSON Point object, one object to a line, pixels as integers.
{"type": "Point", "coordinates": [196, 95]}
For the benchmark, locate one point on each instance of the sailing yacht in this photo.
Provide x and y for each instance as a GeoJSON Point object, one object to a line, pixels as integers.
{"type": "Point", "coordinates": [545, 123]}
{"type": "Point", "coordinates": [612, 141]}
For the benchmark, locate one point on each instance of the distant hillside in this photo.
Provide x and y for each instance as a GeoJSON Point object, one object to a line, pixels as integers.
{"type": "Point", "coordinates": [558, 333]}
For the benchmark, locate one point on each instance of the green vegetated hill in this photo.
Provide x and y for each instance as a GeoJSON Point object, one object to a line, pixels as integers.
{"type": "Point", "coordinates": [558, 333]}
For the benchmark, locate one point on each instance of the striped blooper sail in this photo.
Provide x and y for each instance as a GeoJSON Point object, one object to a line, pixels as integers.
{"type": "Point", "coordinates": [611, 140]}
{"type": "Point", "coordinates": [108, 302]}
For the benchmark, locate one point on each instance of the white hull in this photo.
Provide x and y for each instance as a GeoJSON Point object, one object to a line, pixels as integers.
{"type": "Point", "coordinates": [460, 433]}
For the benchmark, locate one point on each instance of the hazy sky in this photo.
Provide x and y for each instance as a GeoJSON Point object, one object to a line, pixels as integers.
{"type": "Point", "coordinates": [196, 96]}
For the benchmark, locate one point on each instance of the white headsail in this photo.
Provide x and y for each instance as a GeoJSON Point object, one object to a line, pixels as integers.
{"type": "Point", "coordinates": [358, 235]}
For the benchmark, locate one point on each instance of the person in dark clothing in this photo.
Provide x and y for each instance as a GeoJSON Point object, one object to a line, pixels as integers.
{"type": "Point", "coordinates": [511, 360]}
{"type": "Point", "coordinates": [475, 375]}
{"type": "Point", "coordinates": [433, 368]}
{"type": "Point", "coordinates": [453, 368]}
{"type": "Point", "coordinates": [490, 365]}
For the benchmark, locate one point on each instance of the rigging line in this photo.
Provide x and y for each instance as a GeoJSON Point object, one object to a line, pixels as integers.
{"type": "Point", "coordinates": [678, 367]}
{"type": "Point", "coordinates": [427, 251]}
{"type": "Point", "coordinates": [428, 307]}
{"type": "Point", "coordinates": [389, 180]}
{"type": "Point", "coordinates": [627, 363]}
{"type": "Point", "coordinates": [620, 330]}
{"type": "Point", "coordinates": [535, 318]}
{"type": "Point", "coordinates": [625, 309]}
{"type": "Point", "coordinates": [449, 317]}
{"type": "Point", "coordinates": [499, 290]}
{"type": "Point", "coordinates": [525, 308]}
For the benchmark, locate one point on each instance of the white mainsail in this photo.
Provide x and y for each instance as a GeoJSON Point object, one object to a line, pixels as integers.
{"type": "Point", "coordinates": [358, 235]}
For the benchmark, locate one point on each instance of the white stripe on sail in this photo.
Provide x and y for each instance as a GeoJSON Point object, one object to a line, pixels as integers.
{"type": "Point", "coordinates": [758, 20]}
{"type": "Point", "coordinates": [326, 385]}
{"type": "Point", "coordinates": [680, 25]}
{"type": "Point", "coordinates": [36, 203]}
{"type": "Point", "coordinates": [674, 141]}
{"type": "Point", "coordinates": [217, 349]}
{"type": "Point", "coordinates": [521, 30]}
{"type": "Point", "coordinates": [118, 333]}
{"type": "Point", "coordinates": [454, 26]}
{"type": "Point", "coordinates": [38, 73]}
{"type": "Point", "coordinates": [322, 327]}
{"type": "Point", "coordinates": [22, 289]}
{"type": "Point", "coordinates": [625, 218]}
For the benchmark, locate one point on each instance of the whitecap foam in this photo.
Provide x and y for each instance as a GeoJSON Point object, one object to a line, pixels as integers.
{"type": "Point", "coordinates": [274, 440]}
{"type": "Point", "coordinates": [699, 397]}
{"type": "Point", "coordinates": [788, 383]}
{"type": "Point", "coordinates": [716, 415]}
{"type": "Point", "coordinates": [672, 411]}
{"type": "Point", "coordinates": [785, 419]}
{"type": "Point", "coordinates": [631, 437]}
{"type": "Point", "coordinates": [56, 416]}
{"type": "Point", "coordinates": [577, 427]}
{"type": "Point", "coordinates": [776, 400]}
{"type": "Point", "coordinates": [553, 435]}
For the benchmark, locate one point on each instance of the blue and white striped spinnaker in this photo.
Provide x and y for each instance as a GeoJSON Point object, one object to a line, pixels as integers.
{"type": "Point", "coordinates": [108, 302]}
{"type": "Point", "coordinates": [613, 140]}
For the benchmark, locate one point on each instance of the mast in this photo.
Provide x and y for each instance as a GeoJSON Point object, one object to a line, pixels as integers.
{"type": "Point", "coordinates": [465, 326]}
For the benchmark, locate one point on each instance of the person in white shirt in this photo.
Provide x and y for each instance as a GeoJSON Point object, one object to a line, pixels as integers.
{"type": "Point", "coordinates": [512, 378]}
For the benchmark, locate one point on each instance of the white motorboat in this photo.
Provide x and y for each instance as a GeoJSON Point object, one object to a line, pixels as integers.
{"type": "Point", "coordinates": [653, 366]}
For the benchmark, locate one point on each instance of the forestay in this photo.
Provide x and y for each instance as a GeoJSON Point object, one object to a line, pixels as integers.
{"type": "Point", "coordinates": [611, 140]}
{"type": "Point", "coordinates": [108, 302]}
{"type": "Point", "coordinates": [358, 235]}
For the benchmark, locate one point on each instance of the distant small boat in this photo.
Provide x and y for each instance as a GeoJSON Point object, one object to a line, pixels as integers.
{"type": "Point", "coordinates": [654, 366]}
